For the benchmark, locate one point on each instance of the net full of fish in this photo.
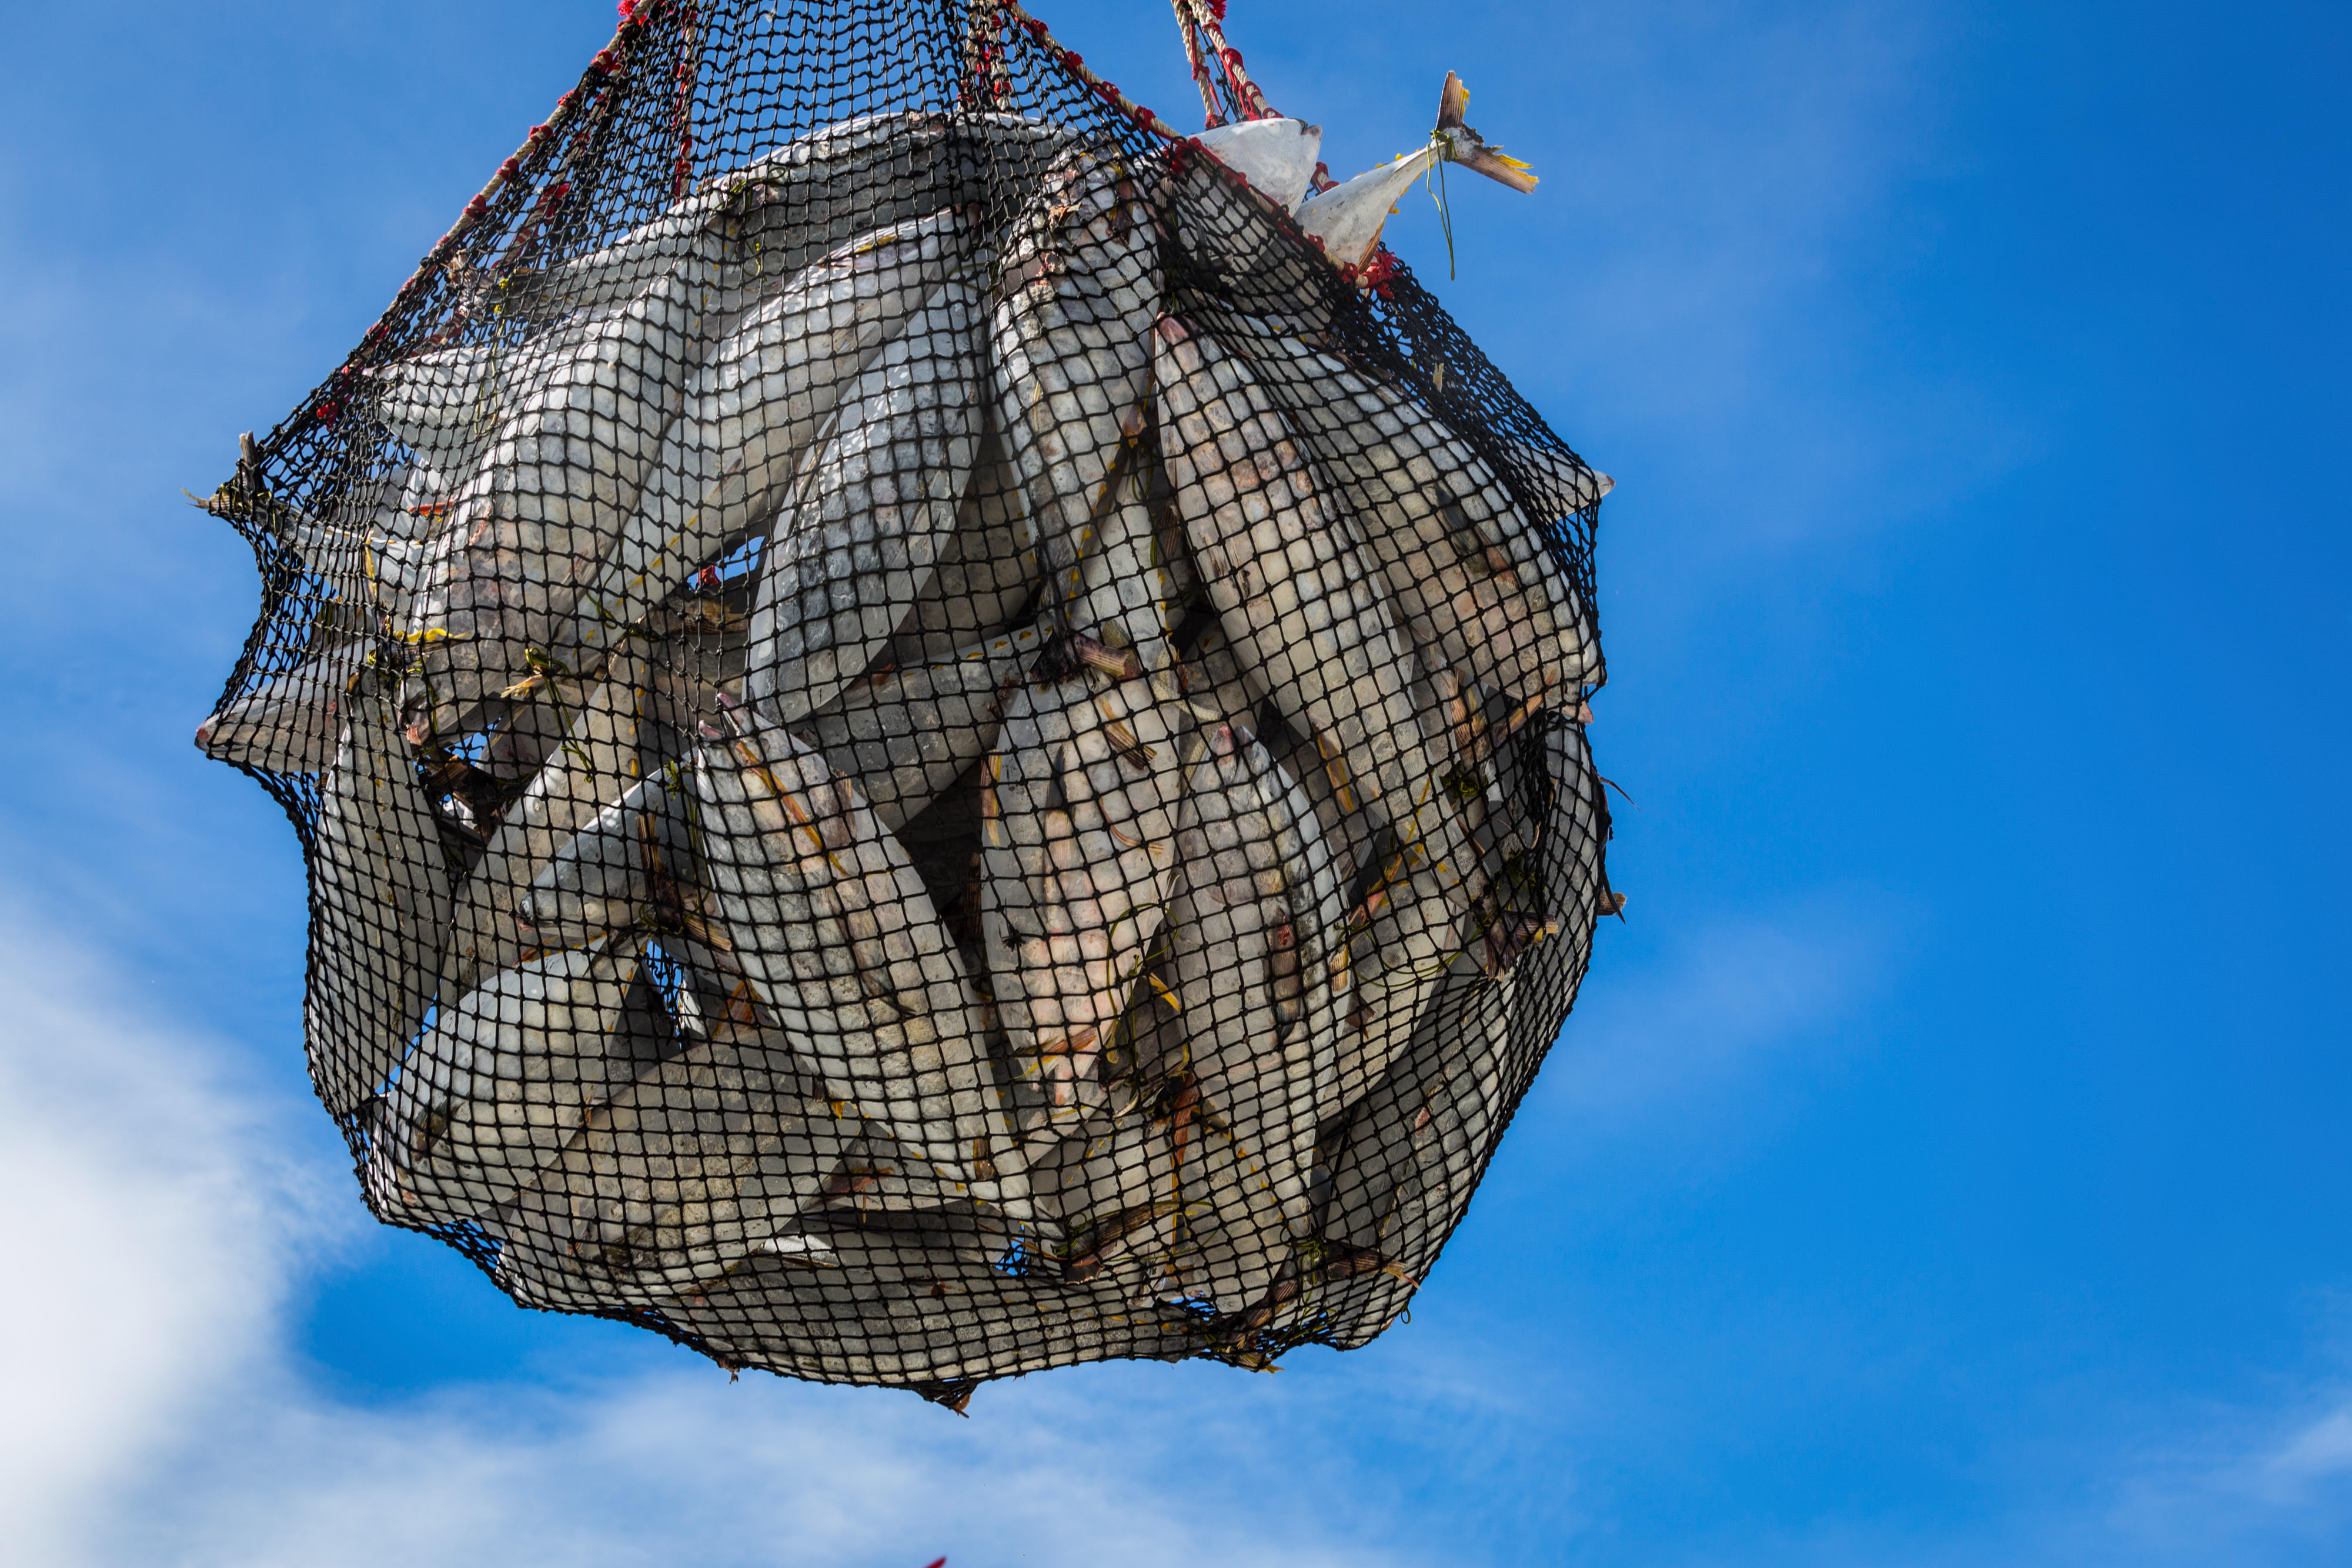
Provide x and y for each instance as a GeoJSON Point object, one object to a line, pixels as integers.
{"type": "Point", "coordinates": [934, 740]}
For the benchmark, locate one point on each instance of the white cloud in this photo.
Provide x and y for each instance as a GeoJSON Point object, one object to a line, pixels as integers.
{"type": "Point", "coordinates": [147, 1234]}
{"type": "Point", "coordinates": [2319, 1448]}
{"type": "Point", "coordinates": [1717, 1008]}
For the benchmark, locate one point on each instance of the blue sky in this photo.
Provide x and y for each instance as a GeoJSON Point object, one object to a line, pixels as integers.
{"type": "Point", "coordinates": [1945, 1164]}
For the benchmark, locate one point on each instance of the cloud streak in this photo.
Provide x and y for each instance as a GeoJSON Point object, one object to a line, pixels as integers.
{"type": "Point", "coordinates": [1718, 1009]}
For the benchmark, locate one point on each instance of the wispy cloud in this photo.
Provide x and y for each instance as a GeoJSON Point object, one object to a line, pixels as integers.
{"type": "Point", "coordinates": [1719, 1007]}
{"type": "Point", "coordinates": [151, 1235]}
{"type": "Point", "coordinates": [2269, 1483]}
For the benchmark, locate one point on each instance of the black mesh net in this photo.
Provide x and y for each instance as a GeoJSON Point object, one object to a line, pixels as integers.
{"type": "Point", "coordinates": [928, 744]}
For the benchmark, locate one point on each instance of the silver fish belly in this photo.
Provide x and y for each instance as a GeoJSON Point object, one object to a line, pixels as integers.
{"type": "Point", "coordinates": [599, 759]}
{"type": "Point", "coordinates": [1292, 586]}
{"type": "Point", "coordinates": [542, 508]}
{"type": "Point", "coordinates": [379, 901]}
{"type": "Point", "coordinates": [504, 1079]}
{"type": "Point", "coordinates": [870, 512]}
{"type": "Point", "coordinates": [1469, 570]}
{"type": "Point", "coordinates": [292, 723]}
{"type": "Point", "coordinates": [677, 1177]}
{"type": "Point", "coordinates": [771, 389]}
{"type": "Point", "coordinates": [1077, 849]}
{"type": "Point", "coordinates": [1070, 320]}
{"type": "Point", "coordinates": [1253, 925]}
{"type": "Point", "coordinates": [907, 734]}
{"type": "Point", "coordinates": [831, 926]}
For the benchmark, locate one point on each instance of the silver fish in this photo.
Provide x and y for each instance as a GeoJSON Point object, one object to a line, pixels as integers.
{"type": "Point", "coordinates": [870, 512]}
{"type": "Point", "coordinates": [828, 920]}
{"type": "Point", "coordinates": [598, 761]}
{"type": "Point", "coordinates": [1070, 320]}
{"type": "Point", "coordinates": [984, 575]}
{"type": "Point", "coordinates": [606, 875]}
{"type": "Point", "coordinates": [912, 1302]}
{"type": "Point", "coordinates": [1254, 926]}
{"type": "Point", "coordinates": [379, 902]}
{"type": "Point", "coordinates": [1294, 594]}
{"type": "Point", "coordinates": [1415, 1147]}
{"type": "Point", "coordinates": [907, 734]}
{"type": "Point", "coordinates": [542, 508]}
{"type": "Point", "coordinates": [504, 1079]}
{"type": "Point", "coordinates": [373, 549]}
{"type": "Point", "coordinates": [1469, 571]}
{"type": "Point", "coordinates": [293, 723]}
{"type": "Point", "coordinates": [677, 1177]}
{"type": "Point", "coordinates": [753, 415]}
{"type": "Point", "coordinates": [1077, 850]}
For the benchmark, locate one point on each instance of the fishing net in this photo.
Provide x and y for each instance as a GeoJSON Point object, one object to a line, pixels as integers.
{"type": "Point", "coordinates": [930, 741]}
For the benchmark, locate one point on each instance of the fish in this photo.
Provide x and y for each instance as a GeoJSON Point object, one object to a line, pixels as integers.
{"type": "Point", "coordinates": [1276, 155]}
{"type": "Point", "coordinates": [1406, 934]}
{"type": "Point", "coordinates": [600, 759]}
{"type": "Point", "coordinates": [1468, 569]}
{"type": "Point", "coordinates": [292, 722]}
{"type": "Point", "coordinates": [677, 1177]}
{"type": "Point", "coordinates": [1412, 1150]}
{"type": "Point", "coordinates": [607, 873]}
{"type": "Point", "coordinates": [1228, 216]}
{"type": "Point", "coordinates": [1573, 485]}
{"type": "Point", "coordinates": [542, 510]}
{"type": "Point", "coordinates": [1294, 593]}
{"type": "Point", "coordinates": [917, 1300]}
{"type": "Point", "coordinates": [846, 955]}
{"type": "Point", "coordinates": [1415, 1144]}
{"type": "Point", "coordinates": [1070, 320]}
{"type": "Point", "coordinates": [1346, 220]}
{"type": "Point", "coordinates": [1111, 1182]}
{"type": "Point", "coordinates": [381, 907]}
{"type": "Point", "coordinates": [1253, 928]}
{"type": "Point", "coordinates": [764, 221]}
{"type": "Point", "coordinates": [1077, 850]}
{"type": "Point", "coordinates": [1568, 853]}
{"type": "Point", "coordinates": [446, 403]}
{"type": "Point", "coordinates": [372, 551]}
{"type": "Point", "coordinates": [769, 397]}
{"type": "Point", "coordinates": [870, 512]}
{"type": "Point", "coordinates": [906, 735]}
{"type": "Point", "coordinates": [504, 1078]}
{"type": "Point", "coordinates": [983, 577]}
